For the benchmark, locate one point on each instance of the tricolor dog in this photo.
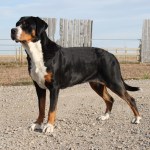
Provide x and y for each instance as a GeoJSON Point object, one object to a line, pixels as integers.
{"type": "Point", "coordinates": [53, 67]}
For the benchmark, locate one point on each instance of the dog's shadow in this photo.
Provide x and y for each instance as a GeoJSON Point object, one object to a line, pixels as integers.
{"type": "Point", "coordinates": [38, 130]}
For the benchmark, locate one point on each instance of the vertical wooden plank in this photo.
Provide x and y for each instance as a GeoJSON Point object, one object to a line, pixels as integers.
{"type": "Point", "coordinates": [88, 33]}
{"type": "Point", "coordinates": [145, 54]}
{"type": "Point", "coordinates": [148, 39]}
{"type": "Point", "coordinates": [65, 33]}
{"type": "Point", "coordinates": [74, 32]}
{"type": "Point", "coordinates": [21, 49]}
{"type": "Point", "coordinates": [82, 33]}
{"type": "Point", "coordinates": [78, 33]}
{"type": "Point", "coordinates": [77, 30]}
{"type": "Point", "coordinates": [70, 33]}
{"type": "Point", "coordinates": [19, 55]}
{"type": "Point", "coordinates": [16, 55]}
{"type": "Point", "coordinates": [90, 25]}
{"type": "Point", "coordinates": [51, 28]}
{"type": "Point", "coordinates": [61, 31]}
{"type": "Point", "coordinates": [85, 34]}
{"type": "Point", "coordinates": [54, 21]}
{"type": "Point", "coordinates": [125, 54]}
{"type": "Point", "coordinates": [142, 46]}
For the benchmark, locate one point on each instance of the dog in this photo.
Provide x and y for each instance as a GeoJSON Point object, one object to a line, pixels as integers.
{"type": "Point", "coordinates": [53, 67]}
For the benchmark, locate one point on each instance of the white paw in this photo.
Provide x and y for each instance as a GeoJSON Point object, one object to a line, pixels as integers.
{"type": "Point", "coordinates": [48, 128]}
{"type": "Point", "coordinates": [141, 89]}
{"type": "Point", "coordinates": [136, 120]}
{"type": "Point", "coordinates": [105, 117]}
{"type": "Point", "coordinates": [35, 126]}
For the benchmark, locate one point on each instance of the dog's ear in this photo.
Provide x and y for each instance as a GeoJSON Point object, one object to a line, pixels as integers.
{"type": "Point", "coordinates": [41, 26]}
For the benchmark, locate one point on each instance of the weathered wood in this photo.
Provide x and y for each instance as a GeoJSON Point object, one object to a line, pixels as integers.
{"type": "Point", "coordinates": [75, 33]}
{"type": "Point", "coordinates": [61, 32]}
{"type": "Point", "coordinates": [82, 33]}
{"type": "Point", "coordinates": [51, 27]}
{"type": "Point", "coordinates": [70, 33]}
{"type": "Point", "coordinates": [65, 33]}
{"type": "Point", "coordinates": [145, 51]}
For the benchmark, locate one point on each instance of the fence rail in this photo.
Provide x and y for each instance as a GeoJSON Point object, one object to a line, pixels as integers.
{"type": "Point", "coordinates": [131, 55]}
{"type": "Point", "coordinates": [125, 55]}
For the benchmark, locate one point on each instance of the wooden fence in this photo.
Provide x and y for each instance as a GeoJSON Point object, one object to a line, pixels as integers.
{"type": "Point", "coordinates": [145, 53]}
{"type": "Point", "coordinates": [126, 55]}
{"type": "Point", "coordinates": [72, 33]}
{"type": "Point", "coordinates": [78, 33]}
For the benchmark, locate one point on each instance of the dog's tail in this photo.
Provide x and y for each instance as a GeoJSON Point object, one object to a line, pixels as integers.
{"type": "Point", "coordinates": [131, 88]}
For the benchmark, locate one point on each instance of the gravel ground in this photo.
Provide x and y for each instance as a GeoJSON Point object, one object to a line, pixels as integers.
{"type": "Point", "coordinates": [78, 126]}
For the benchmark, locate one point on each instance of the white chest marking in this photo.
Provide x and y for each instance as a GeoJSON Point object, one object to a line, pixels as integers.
{"type": "Point", "coordinates": [38, 70]}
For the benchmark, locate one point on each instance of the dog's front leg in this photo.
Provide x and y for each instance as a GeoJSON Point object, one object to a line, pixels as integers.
{"type": "Point", "coordinates": [52, 110]}
{"type": "Point", "coordinates": [41, 93]}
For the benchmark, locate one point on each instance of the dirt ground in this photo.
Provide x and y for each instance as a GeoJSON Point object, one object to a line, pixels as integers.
{"type": "Point", "coordinates": [18, 75]}
{"type": "Point", "coordinates": [78, 125]}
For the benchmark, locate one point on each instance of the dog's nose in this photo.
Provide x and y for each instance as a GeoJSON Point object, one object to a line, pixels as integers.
{"type": "Point", "coordinates": [13, 31]}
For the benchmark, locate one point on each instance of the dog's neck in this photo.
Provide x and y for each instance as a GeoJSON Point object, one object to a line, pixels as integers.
{"type": "Point", "coordinates": [46, 42]}
{"type": "Point", "coordinates": [34, 50]}
{"type": "Point", "coordinates": [44, 48]}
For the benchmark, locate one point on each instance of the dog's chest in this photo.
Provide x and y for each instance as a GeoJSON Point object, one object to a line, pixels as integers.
{"type": "Point", "coordinates": [38, 69]}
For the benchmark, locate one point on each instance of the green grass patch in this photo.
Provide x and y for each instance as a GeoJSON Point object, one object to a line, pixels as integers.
{"type": "Point", "coordinates": [146, 76]}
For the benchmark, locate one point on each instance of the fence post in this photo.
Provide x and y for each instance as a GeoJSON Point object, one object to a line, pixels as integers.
{"type": "Point", "coordinates": [21, 55]}
{"type": "Point", "coordinates": [16, 55]}
{"type": "Point", "coordinates": [125, 54]}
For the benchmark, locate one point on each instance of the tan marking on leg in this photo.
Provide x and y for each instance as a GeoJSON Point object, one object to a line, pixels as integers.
{"type": "Point", "coordinates": [48, 77]}
{"type": "Point", "coordinates": [51, 117]}
{"type": "Point", "coordinates": [102, 91]}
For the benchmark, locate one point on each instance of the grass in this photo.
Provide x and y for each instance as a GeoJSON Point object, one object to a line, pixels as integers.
{"type": "Point", "coordinates": [146, 76]}
{"type": "Point", "coordinates": [22, 83]}
{"type": "Point", "coordinates": [12, 64]}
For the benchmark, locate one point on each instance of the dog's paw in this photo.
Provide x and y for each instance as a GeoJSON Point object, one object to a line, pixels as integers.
{"type": "Point", "coordinates": [48, 128]}
{"type": "Point", "coordinates": [35, 126]}
{"type": "Point", "coordinates": [105, 117]}
{"type": "Point", "coordinates": [136, 120]}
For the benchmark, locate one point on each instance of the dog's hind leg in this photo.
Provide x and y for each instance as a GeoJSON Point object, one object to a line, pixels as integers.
{"type": "Point", "coordinates": [101, 90]}
{"type": "Point", "coordinates": [119, 89]}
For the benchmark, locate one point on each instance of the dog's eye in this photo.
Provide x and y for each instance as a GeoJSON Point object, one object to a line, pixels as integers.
{"type": "Point", "coordinates": [25, 24]}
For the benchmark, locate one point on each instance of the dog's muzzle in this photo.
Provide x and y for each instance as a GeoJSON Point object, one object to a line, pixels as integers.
{"type": "Point", "coordinates": [14, 33]}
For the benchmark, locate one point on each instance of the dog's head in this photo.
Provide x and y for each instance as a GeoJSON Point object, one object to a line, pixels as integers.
{"type": "Point", "coordinates": [28, 29]}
